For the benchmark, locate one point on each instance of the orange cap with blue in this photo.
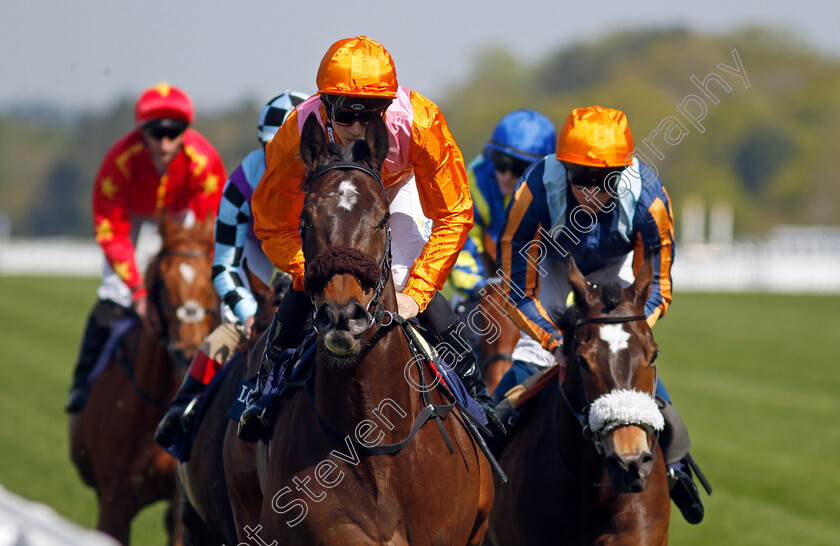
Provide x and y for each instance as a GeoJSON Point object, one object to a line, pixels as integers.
{"type": "Point", "coordinates": [358, 67]}
{"type": "Point", "coordinates": [163, 101]}
{"type": "Point", "coordinates": [596, 137]}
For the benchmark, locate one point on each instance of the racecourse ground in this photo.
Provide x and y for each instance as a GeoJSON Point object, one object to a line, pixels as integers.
{"type": "Point", "coordinates": [756, 378]}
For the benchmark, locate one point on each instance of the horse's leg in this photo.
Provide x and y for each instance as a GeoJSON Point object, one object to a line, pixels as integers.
{"type": "Point", "coordinates": [172, 519]}
{"type": "Point", "coordinates": [115, 517]}
{"type": "Point", "coordinates": [243, 482]}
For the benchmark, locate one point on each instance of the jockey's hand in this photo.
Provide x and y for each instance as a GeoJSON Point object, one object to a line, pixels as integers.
{"type": "Point", "coordinates": [407, 308]}
{"type": "Point", "coordinates": [142, 309]}
{"type": "Point", "coordinates": [248, 327]}
{"type": "Point", "coordinates": [559, 357]}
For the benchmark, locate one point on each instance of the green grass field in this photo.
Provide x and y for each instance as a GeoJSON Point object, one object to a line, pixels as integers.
{"type": "Point", "coordinates": [755, 377]}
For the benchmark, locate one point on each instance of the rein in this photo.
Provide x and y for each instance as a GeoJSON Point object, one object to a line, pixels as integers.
{"type": "Point", "coordinates": [430, 411]}
{"type": "Point", "coordinates": [582, 415]}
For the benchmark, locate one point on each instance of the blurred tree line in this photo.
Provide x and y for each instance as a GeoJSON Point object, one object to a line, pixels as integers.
{"type": "Point", "coordinates": [765, 148]}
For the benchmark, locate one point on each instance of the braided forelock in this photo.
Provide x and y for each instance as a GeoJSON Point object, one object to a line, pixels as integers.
{"type": "Point", "coordinates": [336, 260]}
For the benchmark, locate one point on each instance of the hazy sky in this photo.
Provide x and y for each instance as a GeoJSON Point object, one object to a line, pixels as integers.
{"type": "Point", "coordinates": [89, 52]}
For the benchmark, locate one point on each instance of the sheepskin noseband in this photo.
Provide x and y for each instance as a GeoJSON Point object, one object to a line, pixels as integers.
{"type": "Point", "coordinates": [624, 407]}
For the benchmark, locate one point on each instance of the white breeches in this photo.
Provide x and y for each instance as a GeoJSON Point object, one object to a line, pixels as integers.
{"type": "Point", "coordinates": [410, 229]}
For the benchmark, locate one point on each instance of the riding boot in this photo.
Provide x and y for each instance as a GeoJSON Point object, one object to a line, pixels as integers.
{"type": "Point", "coordinates": [287, 329]}
{"type": "Point", "coordinates": [675, 444]}
{"type": "Point", "coordinates": [442, 322]}
{"type": "Point", "coordinates": [180, 418]}
{"type": "Point", "coordinates": [96, 333]}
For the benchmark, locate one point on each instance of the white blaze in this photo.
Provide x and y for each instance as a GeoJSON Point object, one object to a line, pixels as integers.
{"type": "Point", "coordinates": [616, 336]}
{"type": "Point", "coordinates": [187, 272]}
{"type": "Point", "coordinates": [347, 195]}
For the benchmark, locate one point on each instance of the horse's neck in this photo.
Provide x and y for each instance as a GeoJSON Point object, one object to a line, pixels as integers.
{"type": "Point", "coordinates": [374, 390]}
{"type": "Point", "coordinates": [152, 364]}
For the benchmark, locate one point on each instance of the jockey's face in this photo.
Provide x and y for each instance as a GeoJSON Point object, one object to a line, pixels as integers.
{"type": "Point", "coordinates": [349, 125]}
{"type": "Point", "coordinates": [507, 182]}
{"type": "Point", "coordinates": [163, 144]}
{"type": "Point", "coordinates": [349, 133]}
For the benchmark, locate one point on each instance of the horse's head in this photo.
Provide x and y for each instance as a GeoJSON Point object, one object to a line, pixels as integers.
{"type": "Point", "coordinates": [182, 299]}
{"type": "Point", "coordinates": [345, 234]}
{"type": "Point", "coordinates": [610, 356]}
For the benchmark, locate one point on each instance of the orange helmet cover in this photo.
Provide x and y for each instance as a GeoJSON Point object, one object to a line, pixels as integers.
{"type": "Point", "coordinates": [359, 67]}
{"type": "Point", "coordinates": [163, 101]}
{"type": "Point", "coordinates": [596, 137]}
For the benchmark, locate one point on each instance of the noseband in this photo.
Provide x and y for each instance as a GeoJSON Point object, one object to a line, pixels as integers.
{"type": "Point", "coordinates": [374, 308]}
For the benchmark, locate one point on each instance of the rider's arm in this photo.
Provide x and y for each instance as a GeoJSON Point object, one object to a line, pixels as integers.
{"type": "Point", "coordinates": [278, 200]}
{"type": "Point", "coordinates": [206, 176]}
{"type": "Point", "coordinates": [111, 214]}
{"type": "Point", "coordinates": [444, 194]}
{"type": "Point", "coordinates": [231, 232]}
{"type": "Point", "coordinates": [518, 254]}
{"type": "Point", "coordinates": [654, 225]}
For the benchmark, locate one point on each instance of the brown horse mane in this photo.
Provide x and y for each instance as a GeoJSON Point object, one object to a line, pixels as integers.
{"type": "Point", "coordinates": [335, 260]}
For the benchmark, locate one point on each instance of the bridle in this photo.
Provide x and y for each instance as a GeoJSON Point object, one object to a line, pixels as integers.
{"type": "Point", "coordinates": [188, 312]}
{"type": "Point", "coordinates": [582, 411]}
{"type": "Point", "coordinates": [374, 309]}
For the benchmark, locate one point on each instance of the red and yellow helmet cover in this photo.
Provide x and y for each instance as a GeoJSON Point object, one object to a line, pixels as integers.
{"type": "Point", "coordinates": [357, 66]}
{"type": "Point", "coordinates": [596, 137]}
{"type": "Point", "coordinates": [163, 101]}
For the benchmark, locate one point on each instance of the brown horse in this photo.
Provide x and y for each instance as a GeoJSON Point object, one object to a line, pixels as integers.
{"type": "Point", "coordinates": [497, 333]}
{"type": "Point", "coordinates": [349, 462]}
{"type": "Point", "coordinates": [584, 464]}
{"type": "Point", "coordinates": [111, 440]}
{"type": "Point", "coordinates": [205, 509]}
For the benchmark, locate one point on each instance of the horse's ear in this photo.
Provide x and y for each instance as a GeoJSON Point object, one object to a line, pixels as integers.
{"type": "Point", "coordinates": [313, 143]}
{"type": "Point", "coordinates": [638, 291]}
{"type": "Point", "coordinates": [584, 294]}
{"type": "Point", "coordinates": [376, 136]}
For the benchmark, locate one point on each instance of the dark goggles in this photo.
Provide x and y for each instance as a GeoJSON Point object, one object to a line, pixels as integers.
{"type": "Point", "coordinates": [349, 117]}
{"type": "Point", "coordinates": [503, 163]}
{"type": "Point", "coordinates": [604, 178]}
{"type": "Point", "coordinates": [165, 128]}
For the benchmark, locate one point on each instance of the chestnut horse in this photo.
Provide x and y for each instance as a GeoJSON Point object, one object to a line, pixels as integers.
{"type": "Point", "coordinates": [205, 509]}
{"type": "Point", "coordinates": [350, 461]}
{"type": "Point", "coordinates": [111, 440]}
{"type": "Point", "coordinates": [584, 465]}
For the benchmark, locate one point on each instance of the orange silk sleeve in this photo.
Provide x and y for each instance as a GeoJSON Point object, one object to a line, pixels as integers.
{"type": "Point", "coordinates": [444, 194]}
{"type": "Point", "coordinates": [278, 200]}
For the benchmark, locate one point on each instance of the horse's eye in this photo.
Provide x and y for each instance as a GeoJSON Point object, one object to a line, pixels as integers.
{"type": "Point", "coordinates": [384, 221]}
{"type": "Point", "coordinates": [653, 357]}
{"type": "Point", "coordinates": [582, 363]}
{"type": "Point", "coordinates": [305, 221]}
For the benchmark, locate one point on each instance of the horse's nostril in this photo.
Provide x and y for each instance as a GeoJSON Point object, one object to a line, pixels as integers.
{"type": "Point", "coordinates": [355, 318]}
{"type": "Point", "coordinates": [325, 318]}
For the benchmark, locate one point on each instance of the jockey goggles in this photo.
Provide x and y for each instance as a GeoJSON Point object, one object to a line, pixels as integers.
{"type": "Point", "coordinates": [603, 178]}
{"type": "Point", "coordinates": [503, 163]}
{"type": "Point", "coordinates": [346, 110]}
{"type": "Point", "coordinates": [159, 129]}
